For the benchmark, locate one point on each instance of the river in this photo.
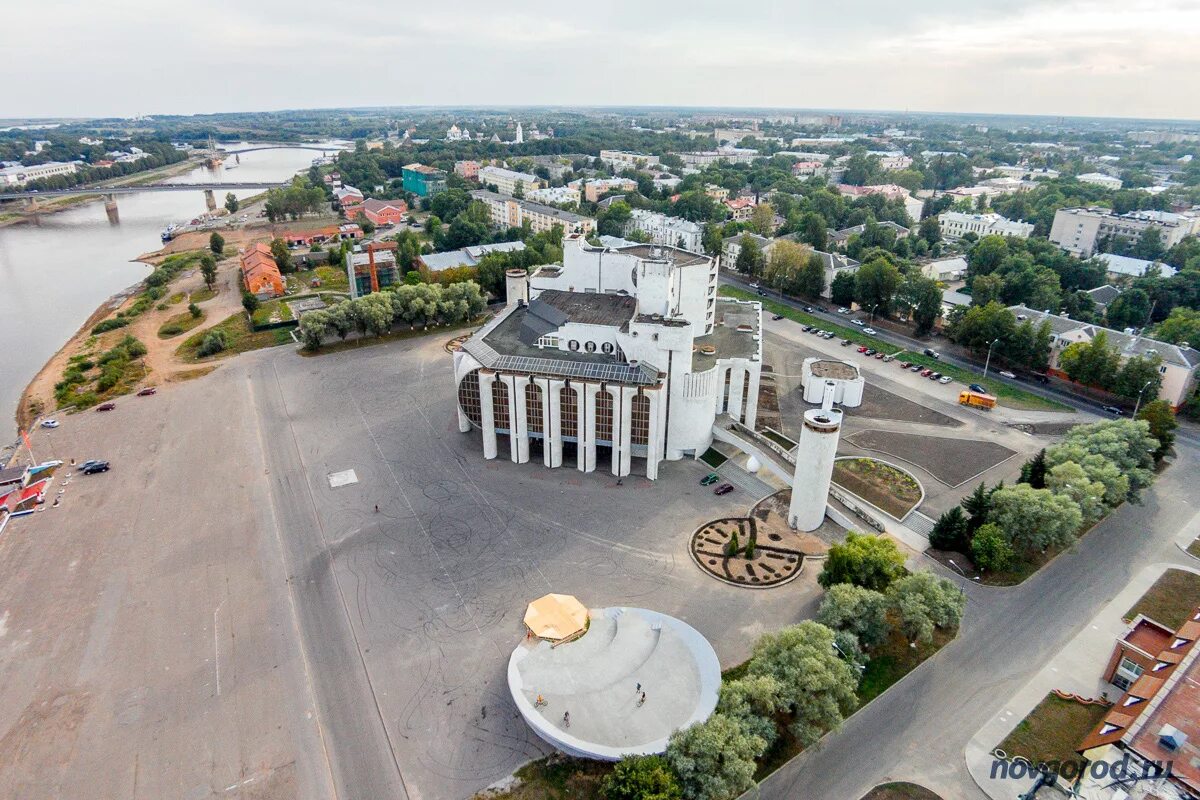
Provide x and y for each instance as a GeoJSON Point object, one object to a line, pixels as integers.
{"type": "Point", "coordinates": [55, 273]}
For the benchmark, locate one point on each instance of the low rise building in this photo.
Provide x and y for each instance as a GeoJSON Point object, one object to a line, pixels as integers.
{"type": "Point", "coordinates": [891, 191]}
{"type": "Point", "coordinates": [510, 212]}
{"type": "Point", "coordinates": [384, 212]}
{"type": "Point", "coordinates": [595, 188]}
{"type": "Point", "coordinates": [19, 174]}
{"type": "Point", "coordinates": [672, 231]}
{"type": "Point", "coordinates": [555, 195]}
{"type": "Point", "coordinates": [421, 180]}
{"type": "Point", "coordinates": [467, 169]}
{"type": "Point", "coordinates": [432, 263]}
{"type": "Point", "coordinates": [626, 350]}
{"type": "Point", "coordinates": [260, 273]}
{"type": "Point", "coordinates": [947, 269]}
{"type": "Point", "coordinates": [621, 160]}
{"type": "Point", "coordinates": [372, 267]}
{"type": "Point", "coordinates": [1123, 268]}
{"type": "Point", "coordinates": [834, 264]}
{"type": "Point", "coordinates": [508, 181]}
{"type": "Point", "coordinates": [1100, 179]}
{"type": "Point", "coordinates": [803, 169]}
{"type": "Point", "coordinates": [956, 224]}
{"type": "Point", "coordinates": [727, 155]}
{"type": "Point", "coordinates": [1178, 362]}
{"type": "Point", "coordinates": [740, 208]}
{"type": "Point", "coordinates": [841, 237]}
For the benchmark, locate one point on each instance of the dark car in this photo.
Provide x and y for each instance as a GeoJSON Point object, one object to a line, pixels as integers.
{"type": "Point", "coordinates": [777, 317]}
{"type": "Point", "coordinates": [710, 479]}
{"type": "Point", "coordinates": [1042, 378]}
{"type": "Point", "coordinates": [762, 293]}
{"type": "Point", "coordinates": [846, 342]}
{"type": "Point", "coordinates": [933, 376]}
{"type": "Point", "coordinates": [147, 391]}
{"type": "Point", "coordinates": [932, 353]}
{"type": "Point", "coordinates": [975, 387]}
{"type": "Point", "coordinates": [88, 463]}
{"type": "Point", "coordinates": [724, 488]}
{"type": "Point", "coordinates": [809, 309]}
{"type": "Point", "coordinates": [106, 406]}
{"type": "Point", "coordinates": [871, 351]}
{"type": "Point", "coordinates": [807, 328]}
{"type": "Point", "coordinates": [1116, 412]}
{"type": "Point", "coordinates": [96, 466]}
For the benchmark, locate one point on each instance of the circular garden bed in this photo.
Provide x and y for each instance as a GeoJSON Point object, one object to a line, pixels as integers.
{"type": "Point", "coordinates": [734, 550]}
{"type": "Point", "coordinates": [455, 344]}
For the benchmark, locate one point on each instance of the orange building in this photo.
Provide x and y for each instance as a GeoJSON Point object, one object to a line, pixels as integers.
{"type": "Point", "coordinates": [383, 212]}
{"type": "Point", "coordinates": [260, 273]}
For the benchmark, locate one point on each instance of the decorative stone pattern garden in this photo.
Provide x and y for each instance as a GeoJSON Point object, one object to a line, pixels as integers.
{"type": "Point", "coordinates": [759, 551]}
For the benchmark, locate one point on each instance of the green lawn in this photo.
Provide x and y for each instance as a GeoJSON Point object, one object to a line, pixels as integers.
{"type": "Point", "coordinates": [179, 325]}
{"type": "Point", "coordinates": [713, 458]}
{"type": "Point", "coordinates": [200, 295]}
{"type": "Point", "coordinates": [901, 791]}
{"type": "Point", "coordinates": [1053, 730]}
{"type": "Point", "coordinates": [332, 279]}
{"type": "Point", "coordinates": [1171, 599]}
{"type": "Point", "coordinates": [1194, 548]}
{"type": "Point", "coordinates": [240, 338]}
{"type": "Point", "coordinates": [272, 311]}
{"type": "Point", "coordinates": [894, 659]}
{"type": "Point", "coordinates": [1008, 395]}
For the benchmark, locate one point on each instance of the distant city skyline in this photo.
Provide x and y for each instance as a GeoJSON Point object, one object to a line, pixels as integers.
{"type": "Point", "coordinates": [1041, 57]}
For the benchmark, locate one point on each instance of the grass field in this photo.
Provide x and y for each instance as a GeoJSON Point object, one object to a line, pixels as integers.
{"type": "Point", "coordinates": [1171, 599]}
{"type": "Point", "coordinates": [179, 325]}
{"type": "Point", "coordinates": [1053, 730]}
{"type": "Point", "coordinates": [240, 338]}
{"type": "Point", "coordinates": [1007, 395]}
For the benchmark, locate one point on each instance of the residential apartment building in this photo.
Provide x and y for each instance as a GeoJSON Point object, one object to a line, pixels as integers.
{"type": "Point", "coordinates": [740, 209]}
{"type": "Point", "coordinates": [595, 188]}
{"type": "Point", "coordinates": [672, 231]}
{"type": "Point", "coordinates": [614, 355]}
{"type": "Point", "coordinates": [620, 160]}
{"type": "Point", "coordinates": [19, 175]}
{"type": "Point", "coordinates": [730, 155]}
{"type": "Point", "coordinates": [833, 263]}
{"type": "Point", "coordinates": [1179, 362]}
{"type": "Point", "coordinates": [1079, 230]}
{"type": "Point", "coordinates": [804, 169]}
{"type": "Point", "coordinates": [555, 195]}
{"type": "Point", "coordinates": [1100, 179]}
{"type": "Point", "coordinates": [467, 169]}
{"type": "Point", "coordinates": [509, 212]}
{"type": "Point", "coordinates": [891, 191]}
{"type": "Point", "coordinates": [506, 181]}
{"type": "Point", "coordinates": [421, 180]}
{"type": "Point", "coordinates": [956, 224]}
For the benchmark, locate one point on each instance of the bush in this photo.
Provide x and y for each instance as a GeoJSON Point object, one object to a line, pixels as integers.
{"type": "Point", "coordinates": [213, 343]}
{"type": "Point", "coordinates": [106, 325]}
{"type": "Point", "coordinates": [642, 778]}
{"type": "Point", "coordinates": [173, 329]}
{"type": "Point", "coordinates": [194, 310]}
{"type": "Point", "coordinates": [872, 562]}
{"type": "Point", "coordinates": [249, 302]}
{"type": "Point", "coordinates": [990, 550]}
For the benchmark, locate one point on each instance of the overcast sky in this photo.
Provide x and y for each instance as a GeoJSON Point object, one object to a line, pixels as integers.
{"type": "Point", "coordinates": [1071, 57]}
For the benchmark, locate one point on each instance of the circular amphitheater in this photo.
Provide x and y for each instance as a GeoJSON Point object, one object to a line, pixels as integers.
{"type": "Point", "coordinates": [594, 678]}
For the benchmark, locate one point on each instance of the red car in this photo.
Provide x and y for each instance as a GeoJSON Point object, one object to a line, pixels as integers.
{"type": "Point", "coordinates": [724, 488]}
{"type": "Point", "coordinates": [106, 406]}
{"type": "Point", "coordinates": [925, 373]}
{"type": "Point", "coordinates": [862, 349]}
{"type": "Point", "coordinates": [147, 391]}
{"type": "Point", "coordinates": [905, 364]}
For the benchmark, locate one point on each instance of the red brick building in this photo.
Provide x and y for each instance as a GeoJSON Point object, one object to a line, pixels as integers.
{"type": "Point", "coordinates": [383, 212]}
{"type": "Point", "coordinates": [260, 273]}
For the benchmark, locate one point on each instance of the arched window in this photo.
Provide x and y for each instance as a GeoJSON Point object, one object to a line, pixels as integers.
{"type": "Point", "coordinates": [590, 347]}
{"type": "Point", "coordinates": [573, 345]}
{"type": "Point", "coordinates": [607, 348]}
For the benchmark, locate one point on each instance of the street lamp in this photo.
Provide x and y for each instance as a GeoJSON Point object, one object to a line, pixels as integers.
{"type": "Point", "coordinates": [987, 363]}
{"type": "Point", "coordinates": [1139, 400]}
{"type": "Point", "coordinates": [873, 313]}
{"type": "Point", "coordinates": [846, 658]}
{"type": "Point", "coordinates": [960, 569]}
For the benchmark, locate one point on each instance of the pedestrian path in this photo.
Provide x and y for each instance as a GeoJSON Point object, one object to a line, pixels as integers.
{"type": "Point", "coordinates": [920, 523]}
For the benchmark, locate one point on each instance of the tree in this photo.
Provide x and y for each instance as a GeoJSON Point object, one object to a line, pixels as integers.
{"type": "Point", "coordinates": [923, 602]}
{"type": "Point", "coordinates": [875, 285]}
{"type": "Point", "coordinates": [978, 505]}
{"type": "Point", "coordinates": [1149, 245]}
{"type": "Point", "coordinates": [1071, 480]}
{"type": "Point", "coordinates": [1181, 325]}
{"type": "Point", "coordinates": [1091, 363]}
{"type": "Point", "coordinates": [1138, 376]}
{"type": "Point", "coordinates": [314, 327]}
{"type": "Point", "coordinates": [814, 230]}
{"type": "Point", "coordinates": [208, 269]}
{"type": "Point", "coordinates": [282, 256]}
{"type": "Point", "coordinates": [642, 778]}
{"type": "Point", "coordinates": [1035, 520]}
{"type": "Point", "coordinates": [762, 219]}
{"type": "Point", "coordinates": [231, 203]}
{"type": "Point", "coordinates": [864, 560]}
{"type": "Point", "coordinates": [1126, 443]}
{"type": "Point", "coordinates": [990, 550]}
{"type": "Point", "coordinates": [815, 686]}
{"type": "Point", "coordinates": [249, 302]}
{"type": "Point", "coordinates": [212, 343]}
{"type": "Point", "coordinates": [1033, 471]}
{"type": "Point", "coordinates": [862, 612]}
{"type": "Point", "coordinates": [216, 243]}
{"type": "Point", "coordinates": [752, 701]}
{"type": "Point", "coordinates": [1129, 309]}
{"type": "Point", "coordinates": [194, 310]}
{"type": "Point", "coordinates": [842, 289]}
{"type": "Point", "coordinates": [986, 289]}
{"type": "Point", "coordinates": [1161, 420]}
{"type": "Point", "coordinates": [750, 260]}
{"type": "Point", "coordinates": [923, 299]}
{"type": "Point", "coordinates": [979, 326]}
{"type": "Point", "coordinates": [951, 531]}
{"type": "Point", "coordinates": [785, 264]}
{"type": "Point", "coordinates": [930, 231]}
{"type": "Point", "coordinates": [715, 758]}
{"type": "Point", "coordinates": [811, 280]}
{"type": "Point", "coordinates": [986, 255]}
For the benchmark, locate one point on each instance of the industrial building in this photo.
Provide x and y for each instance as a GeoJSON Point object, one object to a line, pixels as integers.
{"type": "Point", "coordinates": [628, 349]}
{"type": "Point", "coordinates": [372, 268]}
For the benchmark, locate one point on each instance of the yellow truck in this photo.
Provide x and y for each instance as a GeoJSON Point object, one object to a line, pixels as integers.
{"type": "Point", "coordinates": [977, 400]}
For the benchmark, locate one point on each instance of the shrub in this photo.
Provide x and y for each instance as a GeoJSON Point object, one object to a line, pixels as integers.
{"type": "Point", "coordinates": [872, 562]}
{"type": "Point", "coordinates": [990, 549]}
{"type": "Point", "coordinates": [715, 758]}
{"type": "Point", "coordinates": [249, 302]}
{"type": "Point", "coordinates": [923, 601]}
{"type": "Point", "coordinates": [860, 611]}
{"type": "Point", "coordinates": [106, 325]}
{"type": "Point", "coordinates": [213, 343]}
{"type": "Point", "coordinates": [194, 310]}
{"type": "Point", "coordinates": [733, 547]}
{"type": "Point", "coordinates": [642, 778]}
{"type": "Point", "coordinates": [173, 329]}
{"type": "Point", "coordinates": [950, 531]}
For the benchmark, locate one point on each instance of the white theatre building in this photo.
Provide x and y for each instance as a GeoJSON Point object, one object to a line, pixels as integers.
{"type": "Point", "coordinates": [617, 353]}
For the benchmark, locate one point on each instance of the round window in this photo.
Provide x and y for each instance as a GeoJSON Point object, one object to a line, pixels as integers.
{"type": "Point", "coordinates": [573, 345]}
{"type": "Point", "coordinates": [589, 346]}
{"type": "Point", "coordinates": [607, 348]}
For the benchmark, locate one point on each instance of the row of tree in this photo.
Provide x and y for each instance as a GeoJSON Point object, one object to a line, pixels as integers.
{"type": "Point", "coordinates": [376, 314]}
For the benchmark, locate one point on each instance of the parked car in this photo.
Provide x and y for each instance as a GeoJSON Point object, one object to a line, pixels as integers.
{"type": "Point", "coordinates": [777, 317]}
{"type": "Point", "coordinates": [932, 353]}
{"type": "Point", "coordinates": [944, 379]}
{"type": "Point", "coordinates": [807, 328]}
{"type": "Point", "coordinates": [49, 423]}
{"type": "Point", "coordinates": [888, 358]}
{"type": "Point", "coordinates": [147, 391]}
{"type": "Point", "coordinates": [809, 309]}
{"type": "Point", "coordinates": [828, 334]}
{"type": "Point", "coordinates": [1041, 378]}
{"type": "Point", "coordinates": [724, 488]}
{"type": "Point", "coordinates": [846, 342]}
{"type": "Point", "coordinates": [916, 368]}
{"type": "Point", "coordinates": [869, 331]}
{"type": "Point", "coordinates": [106, 406]}
{"type": "Point", "coordinates": [879, 354]}
{"type": "Point", "coordinates": [94, 467]}
{"type": "Point", "coordinates": [933, 376]}
{"type": "Point", "coordinates": [925, 373]}
{"type": "Point", "coordinates": [762, 292]}
{"type": "Point", "coordinates": [1116, 412]}
{"type": "Point", "coordinates": [754, 285]}
{"type": "Point", "coordinates": [87, 464]}
{"type": "Point", "coordinates": [870, 352]}
{"type": "Point", "coordinates": [1006, 374]}
{"type": "Point", "coordinates": [843, 310]}
{"type": "Point", "coordinates": [975, 387]}
{"type": "Point", "coordinates": [862, 348]}
{"type": "Point", "coordinates": [905, 364]}
{"type": "Point", "coordinates": [710, 479]}
{"type": "Point", "coordinates": [858, 322]}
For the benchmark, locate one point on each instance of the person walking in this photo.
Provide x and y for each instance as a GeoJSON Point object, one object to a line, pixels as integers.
{"type": "Point", "coordinates": [642, 699]}
{"type": "Point", "coordinates": [566, 719]}
{"type": "Point", "coordinates": [541, 701]}
{"type": "Point", "coordinates": [638, 689]}
{"type": "Point", "coordinates": [377, 508]}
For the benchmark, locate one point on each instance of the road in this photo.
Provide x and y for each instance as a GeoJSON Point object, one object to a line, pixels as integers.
{"type": "Point", "coordinates": [918, 729]}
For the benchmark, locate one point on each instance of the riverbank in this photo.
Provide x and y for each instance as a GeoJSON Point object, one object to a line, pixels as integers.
{"type": "Point", "coordinates": [53, 205]}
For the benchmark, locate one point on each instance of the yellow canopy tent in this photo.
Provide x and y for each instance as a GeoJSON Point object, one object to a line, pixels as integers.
{"type": "Point", "coordinates": [556, 616]}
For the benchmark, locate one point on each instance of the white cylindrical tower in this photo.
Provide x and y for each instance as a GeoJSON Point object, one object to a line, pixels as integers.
{"type": "Point", "coordinates": [814, 466]}
{"type": "Point", "coordinates": [516, 283]}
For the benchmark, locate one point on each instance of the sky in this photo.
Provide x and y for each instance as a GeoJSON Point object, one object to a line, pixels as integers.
{"type": "Point", "coordinates": [1131, 58]}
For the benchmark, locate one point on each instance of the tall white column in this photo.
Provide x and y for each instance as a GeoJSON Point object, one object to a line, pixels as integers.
{"type": "Point", "coordinates": [551, 422]}
{"type": "Point", "coordinates": [814, 468]}
{"type": "Point", "coordinates": [737, 377]}
{"type": "Point", "coordinates": [582, 420]}
{"type": "Point", "coordinates": [752, 400]}
{"type": "Point", "coordinates": [654, 445]}
{"type": "Point", "coordinates": [464, 424]}
{"type": "Point", "coordinates": [589, 445]}
{"type": "Point", "coordinates": [519, 436]}
{"type": "Point", "coordinates": [487, 413]}
{"type": "Point", "coordinates": [626, 459]}
{"type": "Point", "coordinates": [617, 429]}
{"type": "Point", "coordinates": [722, 393]}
